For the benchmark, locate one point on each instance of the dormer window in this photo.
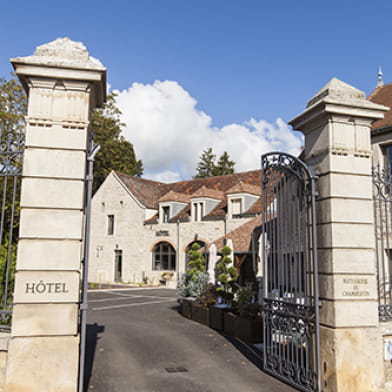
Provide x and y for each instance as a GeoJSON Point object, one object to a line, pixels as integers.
{"type": "Point", "coordinates": [198, 211]}
{"type": "Point", "coordinates": [236, 207]}
{"type": "Point", "coordinates": [165, 214]}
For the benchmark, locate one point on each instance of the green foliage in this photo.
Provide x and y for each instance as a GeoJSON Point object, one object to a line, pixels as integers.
{"type": "Point", "coordinates": [227, 277]}
{"type": "Point", "coordinates": [197, 286]}
{"type": "Point", "coordinates": [205, 167]}
{"type": "Point", "coordinates": [183, 286]}
{"type": "Point", "coordinates": [13, 109]}
{"type": "Point", "coordinates": [197, 264]}
{"type": "Point", "coordinates": [209, 296]}
{"type": "Point", "coordinates": [116, 152]}
{"type": "Point", "coordinates": [4, 251]}
{"type": "Point", "coordinates": [208, 168]}
{"type": "Point", "coordinates": [224, 166]}
{"type": "Point", "coordinates": [193, 288]}
{"type": "Point", "coordinates": [243, 298]}
{"type": "Point", "coordinates": [13, 106]}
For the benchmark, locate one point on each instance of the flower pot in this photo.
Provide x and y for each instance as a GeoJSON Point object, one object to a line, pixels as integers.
{"type": "Point", "coordinates": [186, 310]}
{"type": "Point", "coordinates": [200, 314]}
{"type": "Point", "coordinates": [250, 330]}
{"type": "Point", "coordinates": [230, 326]}
{"type": "Point", "coordinates": [217, 317]}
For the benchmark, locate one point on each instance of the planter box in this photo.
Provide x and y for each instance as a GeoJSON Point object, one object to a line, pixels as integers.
{"type": "Point", "coordinates": [230, 326]}
{"type": "Point", "coordinates": [200, 313]}
{"type": "Point", "coordinates": [217, 317]}
{"type": "Point", "coordinates": [186, 310]}
{"type": "Point", "coordinates": [250, 331]}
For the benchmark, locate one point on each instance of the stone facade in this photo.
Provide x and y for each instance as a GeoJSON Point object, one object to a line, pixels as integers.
{"type": "Point", "coordinates": [336, 124]}
{"type": "Point", "coordinates": [63, 84]}
{"type": "Point", "coordinates": [138, 223]}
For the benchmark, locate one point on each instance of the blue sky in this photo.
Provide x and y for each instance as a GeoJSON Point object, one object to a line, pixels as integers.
{"type": "Point", "coordinates": [238, 60]}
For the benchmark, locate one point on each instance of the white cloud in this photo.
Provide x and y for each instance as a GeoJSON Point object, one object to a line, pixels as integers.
{"type": "Point", "coordinates": [169, 133]}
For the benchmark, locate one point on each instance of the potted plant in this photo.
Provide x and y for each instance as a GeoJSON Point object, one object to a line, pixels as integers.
{"type": "Point", "coordinates": [249, 322]}
{"type": "Point", "coordinates": [183, 289]}
{"type": "Point", "coordinates": [227, 284]}
{"type": "Point", "coordinates": [203, 292]}
{"type": "Point", "coordinates": [193, 285]}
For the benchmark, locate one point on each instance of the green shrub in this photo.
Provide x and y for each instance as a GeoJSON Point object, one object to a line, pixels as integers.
{"type": "Point", "coordinates": [197, 264]}
{"type": "Point", "coordinates": [227, 276]}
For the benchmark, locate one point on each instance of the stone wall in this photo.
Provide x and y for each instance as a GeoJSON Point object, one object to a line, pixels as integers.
{"type": "Point", "coordinates": [4, 340]}
{"type": "Point", "coordinates": [137, 240]}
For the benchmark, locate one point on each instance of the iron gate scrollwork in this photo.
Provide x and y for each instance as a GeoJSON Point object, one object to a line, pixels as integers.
{"type": "Point", "coordinates": [290, 275]}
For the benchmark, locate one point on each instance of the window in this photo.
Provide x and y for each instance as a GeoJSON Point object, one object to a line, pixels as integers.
{"type": "Point", "coordinates": [165, 214]}
{"type": "Point", "coordinates": [236, 207]}
{"type": "Point", "coordinates": [117, 265]}
{"type": "Point", "coordinates": [110, 224]}
{"type": "Point", "coordinates": [164, 257]}
{"type": "Point", "coordinates": [198, 211]}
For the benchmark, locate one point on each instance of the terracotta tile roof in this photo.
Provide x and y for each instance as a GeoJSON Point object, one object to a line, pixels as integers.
{"type": "Point", "coordinates": [220, 183]}
{"type": "Point", "coordinates": [211, 193]}
{"type": "Point", "coordinates": [148, 192]}
{"type": "Point", "coordinates": [174, 196]}
{"type": "Point", "coordinates": [242, 236]}
{"type": "Point", "coordinates": [245, 188]}
{"type": "Point", "coordinates": [382, 95]}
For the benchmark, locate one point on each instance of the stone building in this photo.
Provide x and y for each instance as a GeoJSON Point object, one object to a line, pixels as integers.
{"type": "Point", "coordinates": [143, 229]}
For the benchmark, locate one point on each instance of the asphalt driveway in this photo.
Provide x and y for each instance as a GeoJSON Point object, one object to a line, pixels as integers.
{"type": "Point", "coordinates": [137, 342]}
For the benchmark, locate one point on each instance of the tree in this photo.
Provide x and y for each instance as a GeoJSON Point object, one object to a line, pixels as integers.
{"type": "Point", "coordinates": [227, 277]}
{"type": "Point", "coordinates": [224, 166]}
{"type": "Point", "coordinates": [116, 152]}
{"type": "Point", "coordinates": [13, 106]}
{"type": "Point", "coordinates": [206, 165]}
{"type": "Point", "coordinates": [197, 264]}
{"type": "Point", "coordinates": [208, 168]}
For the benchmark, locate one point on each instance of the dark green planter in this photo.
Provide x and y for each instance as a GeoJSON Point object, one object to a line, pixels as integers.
{"type": "Point", "coordinates": [250, 331]}
{"type": "Point", "coordinates": [230, 326]}
{"type": "Point", "coordinates": [186, 309]}
{"type": "Point", "coordinates": [200, 314]}
{"type": "Point", "coordinates": [217, 317]}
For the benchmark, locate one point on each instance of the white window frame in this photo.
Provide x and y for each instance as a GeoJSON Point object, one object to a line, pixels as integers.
{"type": "Point", "coordinates": [163, 208]}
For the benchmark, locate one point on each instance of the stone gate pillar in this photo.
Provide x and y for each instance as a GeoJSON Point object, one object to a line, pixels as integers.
{"type": "Point", "coordinates": [336, 124]}
{"type": "Point", "coordinates": [64, 84]}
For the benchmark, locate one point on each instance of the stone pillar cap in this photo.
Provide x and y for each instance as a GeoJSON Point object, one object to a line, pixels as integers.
{"type": "Point", "coordinates": [62, 54]}
{"type": "Point", "coordinates": [338, 97]}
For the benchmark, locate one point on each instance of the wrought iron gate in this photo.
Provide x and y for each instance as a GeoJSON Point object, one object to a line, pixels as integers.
{"type": "Point", "coordinates": [290, 276]}
{"type": "Point", "coordinates": [11, 160]}
{"type": "Point", "coordinates": [382, 201]}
